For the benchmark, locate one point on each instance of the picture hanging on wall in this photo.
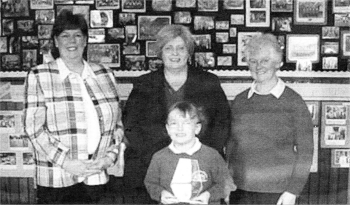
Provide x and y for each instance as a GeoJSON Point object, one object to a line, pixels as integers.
{"type": "Point", "coordinates": [134, 5]}
{"type": "Point", "coordinates": [340, 158]}
{"type": "Point", "coordinates": [310, 12]}
{"type": "Point", "coordinates": [282, 6]}
{"type": "Point", "coordinates": [257, 13]}
{"type": "Point", "coordinates": [345, 44]}
{"type": "Point", "coordinates": [148, 26]}
{"type": "Point", "coordinates": [233, 4]}
{"type": "Point", "coordinates": [341, 6]}
{"type": "Point", "coordinates": [335, 125]}
{"type": "Point", "coordinates": [303, 47]}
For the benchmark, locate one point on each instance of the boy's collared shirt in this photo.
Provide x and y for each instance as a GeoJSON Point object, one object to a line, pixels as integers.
{"type": "Point", "coordinates": [197, 145]}
{"type": "Point", "coordinates": [275, 91]}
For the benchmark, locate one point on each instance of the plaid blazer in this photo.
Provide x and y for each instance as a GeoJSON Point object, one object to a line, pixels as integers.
{"type": "Point", "coordinates": [54, 120]}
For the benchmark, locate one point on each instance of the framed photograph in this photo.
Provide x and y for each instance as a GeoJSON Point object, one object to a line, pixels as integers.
{"type": "Point", "coordinates": [133, 5]}
{"type": "Point", "coordinates": [314, 109]}
{"type": "Point", "coordinates": [341, 6]}
{"type": "Point", "coordinates": [148, 26]}
{"type": "Point", "coordinates": [115, 33]}
{"type": "Point", "coordinates": [161, 5]}
{"type": "Point", "coordinates": [185, 3]}
{"type": "Point", "coordinates": [345, 44]}
{"type": "Point", "coordinates": [25, 27]}
{"type": "Point", "coordinates": [28, 160]}
{"type": "Point", "coordinates": [281, 6]}
{"type": "Point", "coordinates": [330, 48]}
{"type": "Point", "coordinates": [96, 35]}
{"type": "Point", "coordinates": [111, 4]}
{"type": "Point", "coordinates": [282, 24]}
{"type": "Point", "coordinates": [208, 5]}
{"type": "Point", "coordinates": [18, 141]}
{"type": "Point", "coordinates": [257, 13]}
{"type": "Point", "coordinates": [340, 158]}
{"type": "Point", "coordinates": [10, 62]}
{"type": "Point", "coordinates": [330, 63]}
{"type": "Point", "coordinates": [303, 65]}
{"type": "Point", "coordinates": [204, 23]}
{"type": "Point", "coordinates": [233, 4]}
{"type": "Point", "coordinates": [14, 44]}
{"type": "Point", "coordinates": [44, 31]}
{"type": "Point", "coordinates": [335, 125]}
{"type": "Point", "coordinates": [204, 59]}
{"type": "Point", "coordinates": [330, 32]}
{"type": "Point", "coordinates": [130, 33]}
{"type": "Point", "coordinates": [221, 37]}
{"type": "Point", "coordinates": [342, 20]}
{"type": "Point", "coordinates": [45, 16]}
{"type": "Point", "coordinates": [41, 4]}
{"type": "Point", "coordinates": [237, 19]}
{"type": "Point", "coordinates": [131, 48]}
{"type": "Point", "coordinates": [182, 17]}
{"type": "Point", "coordinates": [233, 32]}
{"type": "Point", "coordinates": [222, 25]}
{"type": "Point", "coordinates": [29, 41]}
{"type": "Point", "coordinates": [101, 18]}
{"type": "Point", "coordinates": [303, 47]}
{"type": "Point", "coordinates": [155, 64]}
{"type": "Point", "coordinates": [135, 62]}
{"type": "Point", "coordinates": [224, 61]}
{"type": "Point", "coordinates": [76, 9]}
{"type": "Point", "coordinates": [29, 58]}
{"type": "Point", "coordinates": [202, 41]}
{"type": "Point", "coordinates": [7, 27]}
{"type": "Point", "coordinates": [127, 18]}
{"type": "Point", "coordinates": [108, 54]}
{"type": "Point", "coordinates": [229, 48]}
{"type": "Point", "coordinates": [3, 44]}
{"type": "Point", "coordinates": [243, 39]}
{"type": "Point", "coordinates": [13, 8]}
{"type": "Point", "coordinates": [151, 49]}
{"type": "Point", "coordinates": [309, 12]}
{"type": "Point", "coordinates": [8, 160]}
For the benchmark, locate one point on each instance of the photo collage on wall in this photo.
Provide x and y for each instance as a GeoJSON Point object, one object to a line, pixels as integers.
{"type": "Point", "coordinates": [122, 32]}
{"type": "Point", "coordinates": [335, 132]}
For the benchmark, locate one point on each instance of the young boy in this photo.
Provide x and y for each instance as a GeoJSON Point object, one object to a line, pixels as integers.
{"type": "Point", "coordinates": [187, 171]}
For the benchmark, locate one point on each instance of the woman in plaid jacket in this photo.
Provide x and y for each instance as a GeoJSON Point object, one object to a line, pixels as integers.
{"type": "Point", "coordinates": [72, 117]}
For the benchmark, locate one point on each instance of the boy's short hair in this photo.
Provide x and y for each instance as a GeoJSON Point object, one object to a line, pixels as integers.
{"type": "Point", "coordinates": [189, 108]}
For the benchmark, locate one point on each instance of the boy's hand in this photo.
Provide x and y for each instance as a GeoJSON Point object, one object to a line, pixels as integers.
{"type": "Point", "coordinates": [203, 198]}
{"type": "Point", "coordinates": [168, 198]}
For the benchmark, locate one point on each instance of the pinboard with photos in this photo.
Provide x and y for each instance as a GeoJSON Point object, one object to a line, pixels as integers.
{"type": "Point", "coordinates": [121, 32]}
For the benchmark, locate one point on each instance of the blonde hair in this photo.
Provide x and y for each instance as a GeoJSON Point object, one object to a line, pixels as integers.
{"type": "Point", "coordinates": [169, 33]}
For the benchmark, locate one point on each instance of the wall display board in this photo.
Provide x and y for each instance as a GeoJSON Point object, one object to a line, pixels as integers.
{"type": "Point", "coordinates": [120, 28]}
{"type": "Point", "coordinates": [335, 125]}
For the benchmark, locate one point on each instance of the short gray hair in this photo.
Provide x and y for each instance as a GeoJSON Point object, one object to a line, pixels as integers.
{"type": "Point", "coordinates": [169, 33]}
{"type": "Point", "coordinates": [263, 40]}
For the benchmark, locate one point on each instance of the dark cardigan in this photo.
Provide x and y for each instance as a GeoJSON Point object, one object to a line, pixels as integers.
{"type": "Point", "coordinates": [145, 114]}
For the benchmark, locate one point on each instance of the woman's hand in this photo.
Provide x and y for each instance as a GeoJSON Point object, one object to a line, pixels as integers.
{"type": "Point", "coordinates": [101, 163]}
{"type": "Point", "coordinates": [168, 198]}
{"type": "Point", "coordinates": [203, 198]}
{"type": "Point", "coordinates": [79, 167]}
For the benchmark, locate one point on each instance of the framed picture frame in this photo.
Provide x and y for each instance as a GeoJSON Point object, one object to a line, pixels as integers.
{"type": "Point", "coordinates": [133, 6]}
{"type": "Point", "coordinates": [242, 39]}
{"type": "Point", "coordinates": [107, 54]}
{"type": "Point", "coordinates": [335, 125]}
{"type": "Point", "coordinates": [340, 158]}
{"type": "Point", "coordinates": [281, 6]}
{"type": "Point", "coordinates": [148, 26]}
{"type": "Point", "coordinates": [341, 6]}
{"type": "Point", "coordinates": [233, 4]}
{"type": "Point", "coordinates": [151, 49]}
{"type": "Point", "coordinates": [257, 13]}
{"type": "Point", "coordinates": [310, 12]}
{"type": "Point", "coordinates": [345, 44]}
{"type": "Point", "coordinates": [303, 47]}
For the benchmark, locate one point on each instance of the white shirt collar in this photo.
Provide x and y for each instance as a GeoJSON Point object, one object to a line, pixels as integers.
{"type": "Point", "coordinates": [275, 91]}
{"type": "Point", "coordinates": [197, 145]}
{"type": "Point", "coordinates": [64, 71]}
